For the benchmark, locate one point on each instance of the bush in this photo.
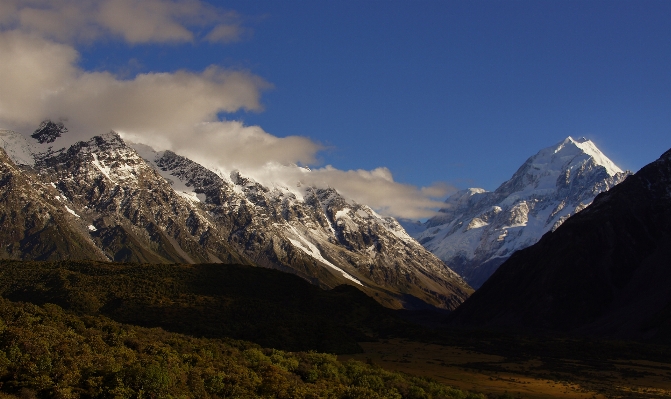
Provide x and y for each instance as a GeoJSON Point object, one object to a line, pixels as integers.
{"type": "Point", "coordinates": [48, 352]}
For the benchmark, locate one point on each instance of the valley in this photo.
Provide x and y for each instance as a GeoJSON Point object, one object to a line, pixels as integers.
{"type": "Point", "coordinates": [250, 315]}
{"type": "Point", "coordinates": [335, 199]}
{"type": "Point", "coordinates": [526, 373]}
{"type": "Point", "coordinates": [206, 255]}
{"type": "Point", "coordinates": [46, 351]}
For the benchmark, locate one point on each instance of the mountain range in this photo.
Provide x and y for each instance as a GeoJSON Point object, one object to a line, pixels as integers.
{"type": "Point", "coordinates": [477, 230]}
{"type": "Point", "coordinates": [105, 199]}
{"type": "Point", "coordinates": [605, 271]}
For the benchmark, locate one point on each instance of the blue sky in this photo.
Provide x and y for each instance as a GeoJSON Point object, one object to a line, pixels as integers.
{"type": "Point", "coordinates": [436, 91]}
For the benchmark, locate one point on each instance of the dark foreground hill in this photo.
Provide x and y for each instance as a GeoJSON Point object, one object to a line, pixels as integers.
{"type": "Point", "coordinates": [47, 352]}
{"type": "Point", "coordinates": [606, 271]}
{"type": "Point", "coordinates": [268, 307]}
{"type": "Point", "coordinates": [70, 341]}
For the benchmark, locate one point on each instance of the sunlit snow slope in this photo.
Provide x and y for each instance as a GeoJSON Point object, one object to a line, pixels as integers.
{"type": "Point", "coordinates": [478, 230]}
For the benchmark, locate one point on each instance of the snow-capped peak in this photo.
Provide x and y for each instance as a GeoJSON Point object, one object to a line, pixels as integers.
{"type": "Point", "coordinates": [477, 230]}
{"type": "Point", "coordinates": [584, 146]}
{"type": "Point", "coordinates": [27, 149]}
{"type": "Point", "coordinates": [599, 157]}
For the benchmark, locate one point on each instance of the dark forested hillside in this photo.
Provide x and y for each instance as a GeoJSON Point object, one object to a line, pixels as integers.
{"type": "Point", "coordinates": [47, 352]}
{"type": "Point", "coordinates": [271, 308]}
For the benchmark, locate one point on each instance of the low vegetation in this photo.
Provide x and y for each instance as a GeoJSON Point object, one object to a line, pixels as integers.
{"type": "Point", "coordinates": [268, 307]}
{"type": "Point", "coordinates": [109, 330]}
{"type": "Point", "coordinates": [46, 351]}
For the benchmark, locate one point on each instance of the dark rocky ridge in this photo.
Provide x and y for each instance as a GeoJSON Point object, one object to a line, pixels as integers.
{"type": "Point", "coordinates": [49, 131]}
{"type": "Point", "coordinates": [605, 271]}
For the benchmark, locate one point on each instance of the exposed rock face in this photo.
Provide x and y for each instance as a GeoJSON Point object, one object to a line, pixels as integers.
{"type": "Point", "coordinates": [605, 271]}
{"type": "Point", "coordinates": [134, 214]}
{"type": "Point", "coordinates": [477, 230]}
{"type": "Point", "coordinates": [276, 228]}
{"type": "Point", "coordinates": [49, 131]}
{"type": "Point", "coordinates": [165, 208]}
{"type": "Point", "coordinates": [35, 223]}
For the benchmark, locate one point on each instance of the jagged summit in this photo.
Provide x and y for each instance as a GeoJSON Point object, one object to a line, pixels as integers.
{"type": "Point", "coordinates": [477, 230]}
{"type": "Point", "coordinates": [316, 227]}
{"type": "Point", "coordinates": [49, 131]}
{"type": "Point", "coordinates": [577, 151]}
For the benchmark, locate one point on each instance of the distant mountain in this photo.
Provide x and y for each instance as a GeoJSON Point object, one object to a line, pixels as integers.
{"type": "Point", "coordinates": [101, 199]}
{"type": "Point", "coordinates": [605, 271]}
{"type": "Point", "coordinates": [478, 230]}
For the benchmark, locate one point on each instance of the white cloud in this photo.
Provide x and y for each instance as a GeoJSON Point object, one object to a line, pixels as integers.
{"type": "Point", "coordinates": [270, 160]}
{"type": "Point", "coordinates": [378, 189]}
{"type": "Point", "coordinates": [135, 21]}
{"type": "Point", "coordinates": [142, 21]}
{"type": "Point", "coordinates": [176, 111]}
{"type": "Point", "coordinates": [32, 70]}
{"type": "Point", "coordinates": [229, 145]}
{"type": "Point", "coordinates": [224, 33]}
{"type": "Point", "coordinates": [375, 188]}
{"type": "Point", "coordinates": [41, 80]}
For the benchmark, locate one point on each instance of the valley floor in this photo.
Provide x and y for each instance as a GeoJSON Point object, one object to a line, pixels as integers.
{"type": "Point", "coordinates": [521, 376]}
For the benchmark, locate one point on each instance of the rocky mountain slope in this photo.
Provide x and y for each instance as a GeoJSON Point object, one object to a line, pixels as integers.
{"type": "Point", "coordinates": [606, 270]}
{"type": "Point", "coordinates": [477, 230]}
{"type": "Point", "coordinates": [137, 205]}
{"type": "Point", "coordinates": [34, 220]}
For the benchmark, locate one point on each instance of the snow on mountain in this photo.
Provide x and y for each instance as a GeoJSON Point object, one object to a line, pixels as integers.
{"type": "Point", "coordinates": [133, 204]}
{"type": "Point", "coordinates": [49, 139]}
{"type": "Point", "coordinates": [316, 233]}
{"type": "Point", "coordinates": [128, 211]}
{"type": "Point", "coordinates": [37, 220]}
{"type": "Point", "coordinates": [603, 273]}
{"type": "Point", "coordinates": [477, 230]}
{"type": "Point", "coordinates": [17, 147]}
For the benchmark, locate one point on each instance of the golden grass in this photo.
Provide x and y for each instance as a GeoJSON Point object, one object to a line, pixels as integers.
{"type": "Point", "coordinates": [525, 378]}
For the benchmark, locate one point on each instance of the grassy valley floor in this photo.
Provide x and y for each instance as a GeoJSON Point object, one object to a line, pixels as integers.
{"type": "Point", "coordinates": [96, 329]}
{"type": "Point", "coordinates": [522, 376]}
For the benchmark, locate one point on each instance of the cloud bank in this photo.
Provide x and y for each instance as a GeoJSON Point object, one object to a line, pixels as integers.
{"type": "Point", "coordinates": [375, 188]}
{"type": "Point", "coordinates": [135, 21]}
{"type": "Point", "coordinates": [176, 111]}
